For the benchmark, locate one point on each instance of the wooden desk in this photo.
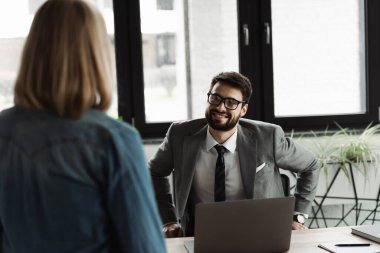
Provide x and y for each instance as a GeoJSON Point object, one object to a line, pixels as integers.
{"type": "Point", "coordinates": [301, 242]}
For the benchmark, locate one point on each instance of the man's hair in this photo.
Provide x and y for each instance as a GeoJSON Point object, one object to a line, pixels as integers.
{"type": "Point", "coordinates": [66, 65]}
{"type": "Point", "coordinates": [235, 80]}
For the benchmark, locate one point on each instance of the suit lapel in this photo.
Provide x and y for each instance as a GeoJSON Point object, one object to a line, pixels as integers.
{"type": "Point", "coordinates": [247, 148]}
{"type": "Point", "coordinates": [190, 148]}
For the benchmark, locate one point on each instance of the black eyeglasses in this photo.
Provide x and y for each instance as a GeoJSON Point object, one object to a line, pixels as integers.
{"type": "Point", "coordinates": [229, 103]}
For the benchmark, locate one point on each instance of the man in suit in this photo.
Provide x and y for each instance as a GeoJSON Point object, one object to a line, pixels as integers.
{"type": "Point", "coordinates": [250, 159]}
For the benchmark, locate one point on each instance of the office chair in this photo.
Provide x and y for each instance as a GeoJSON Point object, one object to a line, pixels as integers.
{"type": "Point", "coordinates": [285, 184]}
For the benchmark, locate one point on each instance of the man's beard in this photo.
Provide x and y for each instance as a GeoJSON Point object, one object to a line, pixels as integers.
{"type": "Point", "coordinates": [230, 123]}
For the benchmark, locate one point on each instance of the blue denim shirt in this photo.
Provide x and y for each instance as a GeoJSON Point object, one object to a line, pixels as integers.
{"type": "Point", "coordinates": [74, 185]}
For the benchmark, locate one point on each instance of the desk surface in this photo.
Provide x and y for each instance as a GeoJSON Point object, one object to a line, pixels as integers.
{"type": "Point", "coordinates": [301, 242]}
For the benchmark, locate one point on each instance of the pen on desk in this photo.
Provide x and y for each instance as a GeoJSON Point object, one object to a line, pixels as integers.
{"type": "Point", "coordinates": [352, 244]}
{"type": "Point", "coordinates": [323, 247]}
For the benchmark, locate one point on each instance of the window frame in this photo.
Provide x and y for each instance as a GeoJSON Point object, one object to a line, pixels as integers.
{"type": "Point", "coordinates": [255, 61]}
{"type": "Point", "coordinates": [129, 68]}
{"type": "Point", "coordinates": [265, 85]}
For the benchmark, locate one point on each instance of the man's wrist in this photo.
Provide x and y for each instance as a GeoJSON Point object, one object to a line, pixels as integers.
{"type": "Point", "coordinates": [300, 218]}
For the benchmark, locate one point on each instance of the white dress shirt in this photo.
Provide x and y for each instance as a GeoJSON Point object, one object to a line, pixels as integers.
{"type": "Point", "coordinates": [204, 176]}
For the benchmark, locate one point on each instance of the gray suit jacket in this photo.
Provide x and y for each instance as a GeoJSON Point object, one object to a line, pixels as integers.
{"type": "Point", "coordinates": [257, 143]}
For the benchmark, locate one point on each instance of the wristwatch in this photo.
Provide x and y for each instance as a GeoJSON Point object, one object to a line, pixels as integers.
{"type": "Point", "coordinates": [300, 218]}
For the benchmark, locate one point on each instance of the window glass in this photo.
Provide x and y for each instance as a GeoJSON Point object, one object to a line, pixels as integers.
{"type": "Point", "coordinates": [318, 57]}
{"type": "Point", "coordinates": [15, 20]}
{"type": "Point", "coordinates": [185, 43]}
{"type": "Point", "coordinates": [106, 8]}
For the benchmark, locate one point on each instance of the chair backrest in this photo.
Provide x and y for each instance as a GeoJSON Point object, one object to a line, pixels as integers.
{"type": "Point", "coordinates": [285, 184]}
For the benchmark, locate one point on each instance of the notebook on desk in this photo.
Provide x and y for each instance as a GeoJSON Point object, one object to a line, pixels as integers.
{"type": "Point", "coordinates": [255, 226]}
{"type": "Point", "coordinates": [371, 232]}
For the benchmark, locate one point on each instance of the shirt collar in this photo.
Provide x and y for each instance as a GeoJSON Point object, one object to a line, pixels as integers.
{"type": "Point", "coordinates": [229, 144]}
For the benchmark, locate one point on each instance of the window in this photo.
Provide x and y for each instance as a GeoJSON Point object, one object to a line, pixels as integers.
{"type": "Point", "coordinates": [312, 63]}
{"type": "Point", "coordinates": [15, 21]}
{"type": "Point", "coordinates": [318, 52]}
{"type": "Point", "coordinates": [11, 42]}
{"type": "Point", "coordinates": [165, 48]}
{"type": "Point", "coordinates": [165, 4]}
{"type": "Point", "coordinates": [317, 63]}
{"type": "Point", "coordinates": [172, 58]}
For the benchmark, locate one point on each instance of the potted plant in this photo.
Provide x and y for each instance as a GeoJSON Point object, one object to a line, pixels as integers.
{"type": "Point", "coordinates": [346, 147]}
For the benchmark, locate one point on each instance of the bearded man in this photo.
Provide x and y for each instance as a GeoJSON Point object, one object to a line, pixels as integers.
{"type": "Point", "coordinates": [224, 157]}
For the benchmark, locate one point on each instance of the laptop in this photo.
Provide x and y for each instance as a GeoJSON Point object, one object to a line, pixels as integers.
{"type": "Point", "coordinates": [371, 232]}
{"type": "Point", "coordinates": [254, 226]}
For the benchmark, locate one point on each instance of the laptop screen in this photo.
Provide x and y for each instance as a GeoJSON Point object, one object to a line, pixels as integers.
{"type": "Point", "coordinates": [262, 225]}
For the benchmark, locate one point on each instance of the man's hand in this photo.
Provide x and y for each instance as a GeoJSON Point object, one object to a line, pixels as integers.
{"type": "Point", "coordinates": [298, 226]}
{"type": "Point", "coordinates": [172, 230]}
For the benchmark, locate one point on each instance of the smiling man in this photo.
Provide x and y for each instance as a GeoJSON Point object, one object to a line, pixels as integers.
{"type": "Point", "coordinates": [223, 157]}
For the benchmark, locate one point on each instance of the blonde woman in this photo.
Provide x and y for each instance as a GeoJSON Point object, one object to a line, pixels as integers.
{"type": "Point", "coordinates": [71, 178]}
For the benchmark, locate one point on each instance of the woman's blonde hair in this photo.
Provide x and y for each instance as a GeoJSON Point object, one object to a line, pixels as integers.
{"type": "Point", "coordinates": [66, 65]}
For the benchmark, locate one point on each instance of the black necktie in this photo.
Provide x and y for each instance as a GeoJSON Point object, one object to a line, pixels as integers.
{"type": "Point", "coordinates": [220, 178]}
